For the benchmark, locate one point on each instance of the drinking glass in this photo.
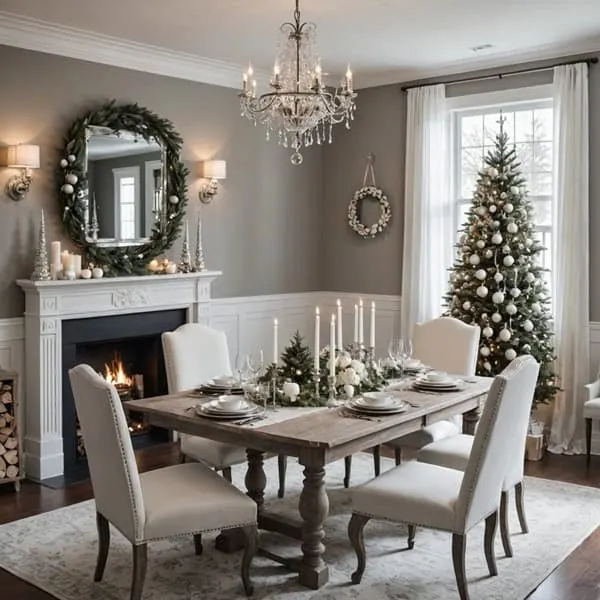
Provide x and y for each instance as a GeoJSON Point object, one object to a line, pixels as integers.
{"type": "Point", "coordinates": [241, 367]}
{"type": "Point", "coordinates": [407, 350]}
{"type": "Point", "coordinates": [396, 350]}
{"type": "Point", "coordinates": [264, 393]}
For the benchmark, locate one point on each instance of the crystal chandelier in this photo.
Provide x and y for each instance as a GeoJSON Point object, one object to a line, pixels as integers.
{"type": "Point", "coordinates": [299, 110]}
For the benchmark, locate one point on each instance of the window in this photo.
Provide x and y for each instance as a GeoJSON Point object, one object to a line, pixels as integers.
{"type": "Point", "coordinates": [529, 125]}
{"type": "Point", "coordinates": [127, 194]}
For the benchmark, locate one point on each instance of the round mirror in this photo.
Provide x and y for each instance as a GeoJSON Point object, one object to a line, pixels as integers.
{"type": "Point", "coordinates": [122, 186]}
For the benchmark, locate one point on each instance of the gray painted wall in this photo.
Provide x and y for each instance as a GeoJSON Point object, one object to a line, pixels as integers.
{"type": "Point", "coordinates": [374, 266]}
{"type": "Point", "coordinates": [260, 230]}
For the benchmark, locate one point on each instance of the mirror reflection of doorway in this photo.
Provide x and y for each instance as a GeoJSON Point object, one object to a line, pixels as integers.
{"type": "Point", "coordinates": [127, 195]}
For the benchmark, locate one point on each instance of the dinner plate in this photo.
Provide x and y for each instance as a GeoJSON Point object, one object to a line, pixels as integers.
{"type": "Point", "coordinates": [449, 382]}
{"type": "Point", "coordinates": [370, 411]}
{"type": "Point", "coordinates": [216, 390]}
{"type": "Point", "coordinates": [216, 406]}
{"type": "Point", "coordinates": [204, 411]}
{"type": "Point", "coordinates": [360, 403]}
{"type": "Point", "coordinates": [436, 388]}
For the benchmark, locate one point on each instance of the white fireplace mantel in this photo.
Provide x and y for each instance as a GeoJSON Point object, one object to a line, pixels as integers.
{"type": "Point", "coordinates": [47, 304]}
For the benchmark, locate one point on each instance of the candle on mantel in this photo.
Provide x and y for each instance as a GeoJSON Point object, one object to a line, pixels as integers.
{"type": "Point", "coordinates": [55, 253]}
{"type": "Point", "coordinates": [332, 346]}
{"type": "Point", "coordinates": [361, 315]}
{"type": "Point", "coordinates": [339, 325]}
{"type": "Point", "coordinates": [355, 339]}
{"type": "Point", "coordinates": [64, 259]}
{"type": "Point", "coordinates": [275, 352]}
{"type": "Point", "coordinates": [317, 337]}
{"type": "Point", "coordinates": [372, 327]}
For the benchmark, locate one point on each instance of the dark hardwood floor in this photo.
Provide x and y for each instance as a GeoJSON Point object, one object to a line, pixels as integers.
{"type": "Point", "coordinates": [577, 578]}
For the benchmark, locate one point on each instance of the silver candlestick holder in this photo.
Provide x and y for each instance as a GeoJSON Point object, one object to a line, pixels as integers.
{"type": "Point", "coordinates": [371, 355]}
{"type": "Point", "coordinates": [331, 401]}
{"type": "Point", "coordinates": [317, 382]}
{"type": "Point", "coordinates": [274, 386]}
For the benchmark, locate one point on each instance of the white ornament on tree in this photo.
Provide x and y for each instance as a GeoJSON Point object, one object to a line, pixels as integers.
{"type": "Point", "coordinates": [480, 274]}
{"type": "Point", "coordinates": [515, 292]}
{"type": "Point", "coordinates": [489, 253]}
{"type": "Point", "coordinates": [511, 309]}
{"type": "Point", "coordinates": [67, 188]}
{"type": "Point", "coordinates": [474, 259]}
{"type": "Point", "coordinates": [496, 238]}
{"type": "Point", "coordinates": [504, 335]}
{"type": "Point", "coordinates": [480, 244]}
{"type": "Point", "coordinates": [466, 305]}
{"type": "Point", "coordinates": [71, 178]}
{"type": "Point", "coordinates": [497, 298]}
{"type": "Point", "coordinates": [530, 278]}
{"type": "Point", "coordinates": [514, 190]}
{"type": "Point", "coordinates": [512, 228]}
{"type": "Point", "coordinates": [496, 317]}
{"type": "Point", "coordinates": [492, 208]}
{"type": "Point", "coordinates": [487, 366]}
{"type": "Point", "coordinates": [510, 354]}
{"type": "Point", "coordinates": [508, 261]}
{"type": "Point", "coordinates": [498, 277]}
{"type": "Point", "coordinates": [508, 208]}
{"type": "Point", "coordinates": [487, 332]}
{"type": "Point", "coordinates": [536, 308]}
{"type": "Point", "coordinates": [482, 291]}
{"type": "Point", "coordinates": [528, 242]}
{"type": "Point", "coordinates": [528, 326]}
{"type": "Point", "coordinates": [484, 351]}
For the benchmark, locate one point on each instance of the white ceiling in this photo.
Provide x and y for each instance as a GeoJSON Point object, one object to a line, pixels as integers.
{"type": "Point", "coordinates": [383, 40]}
{"type": "Point", "coordinates": [103, 147]}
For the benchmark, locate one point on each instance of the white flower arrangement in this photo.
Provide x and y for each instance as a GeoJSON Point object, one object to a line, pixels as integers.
{"type": "Point", "coordinates": [369, 191]}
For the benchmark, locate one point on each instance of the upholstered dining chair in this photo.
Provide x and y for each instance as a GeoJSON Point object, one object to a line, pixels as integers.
{"type": "Point", "coordinates": [185, 499]}
{"type": "Point", "coordinates": [591, 412]}
{"type": "Point", "coordinates": [426, 495]}
{"type": "Point", "coordinates": [445, 344]}
{"type": "Point", "coordinates": [194, 354]}
{"type": "Point", "coordinates": [454, 452]}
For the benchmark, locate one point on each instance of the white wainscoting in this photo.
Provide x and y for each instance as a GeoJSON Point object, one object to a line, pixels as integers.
{"type": "Point", "coordinates": [594, 370]}
{"type": "Point", "coordinates": [12, 350]}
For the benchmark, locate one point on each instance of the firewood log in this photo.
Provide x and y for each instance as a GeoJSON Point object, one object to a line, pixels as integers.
{"type": "Point", "coordinates": [11, 443]}
{"type": "Point", "coordinates": [2, 422]}
{"type": "Point", "coordinates": [12, 471]}
{"type": "Point", "coordinates": [3, 438]}
{"type": "Point", "coordinates": [8, 418]}
{"type": "Point", "coordinates": [2, 468]}
{"type": "Point", "coordinates": [6, 397]}
{"type": "Point", "coordinates": [11, 457]}
{"type": "Point", "coordinates": [7, 430]}
{"type": "Point", "coordinates": [3, 408]}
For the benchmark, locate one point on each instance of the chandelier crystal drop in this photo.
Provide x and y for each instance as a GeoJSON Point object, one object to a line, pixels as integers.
{"type": "Point", "coordinates": [299, 110]}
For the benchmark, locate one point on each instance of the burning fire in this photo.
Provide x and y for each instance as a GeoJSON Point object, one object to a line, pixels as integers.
{"type": "Point", "coordinates": [115, 373]}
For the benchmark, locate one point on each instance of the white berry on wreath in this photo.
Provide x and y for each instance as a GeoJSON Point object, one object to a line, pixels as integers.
{"type": "Point", "coordinates": [71, 178]}
{"type": "Point", "coordinates": [71, 158]}
{"type": "Point", "coordinates": [63, 163]}
{"type": "Point", "coordinates": [67, 188]}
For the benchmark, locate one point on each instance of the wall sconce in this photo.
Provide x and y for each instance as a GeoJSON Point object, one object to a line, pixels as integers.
{"type": "Point", "coordinates": [24, 157]}
{"type": "Point", "coordinates": [213, 170]}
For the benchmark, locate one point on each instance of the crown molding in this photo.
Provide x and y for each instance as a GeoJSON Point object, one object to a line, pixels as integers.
{"type": "Point", "coordinates": [51, 38]}
{"type": "Point", "coordinates": [546, 52]}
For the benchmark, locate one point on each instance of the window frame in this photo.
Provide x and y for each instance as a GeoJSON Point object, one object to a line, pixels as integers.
{"type": "Point", "coordinates": [118, 175]}
{"type": "Point", "coordinates": [534, 97]}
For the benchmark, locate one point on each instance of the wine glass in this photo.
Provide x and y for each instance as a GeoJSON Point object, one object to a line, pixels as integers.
{"type": "Point", "coordinates": [264, 393]}
{"type": "Point", "coordinates": [407, 350]}
{"type": "Point", "coordinates": [241, 367]}
{"type": "Point", "coordinates": [396, 350]}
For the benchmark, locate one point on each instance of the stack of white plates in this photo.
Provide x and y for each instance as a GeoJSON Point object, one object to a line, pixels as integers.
{"type": "Point", "coordinates": [219, 386]}
{"type": "Point", "coordinates": [377, 403]}
{"type": "Point", "coordinates": [224, 409]}
{"type": "Point", "coordinates": [437, 381]}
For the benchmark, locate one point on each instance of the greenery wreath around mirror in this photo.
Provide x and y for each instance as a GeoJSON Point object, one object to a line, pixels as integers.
{"type": "Point", "coordinates": [73, 186]}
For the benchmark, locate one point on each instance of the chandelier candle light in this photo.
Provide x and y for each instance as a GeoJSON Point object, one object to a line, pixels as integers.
{"type": "Point", "coordinates": [299, 109]}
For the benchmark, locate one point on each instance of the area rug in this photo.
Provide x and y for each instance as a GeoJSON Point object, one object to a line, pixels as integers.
{"type": "Point", "coordinates": [56, 551]}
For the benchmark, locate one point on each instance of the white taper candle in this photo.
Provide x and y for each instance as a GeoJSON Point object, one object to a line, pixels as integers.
{"type": "Point", "coordinates": [372, 327]}
{"type": "Point", "coordinates": [340, 336]}
{"type": "Point", "coordinates": [275, 351]}
{"type": "Point", "coordinates": [317, 337]}
{"type": "Point", "coordinates": [332, 346]}
{"type": "Point", "coordinates": [355, 339]}
{"type": "Point", "coordinates": [361, 315]}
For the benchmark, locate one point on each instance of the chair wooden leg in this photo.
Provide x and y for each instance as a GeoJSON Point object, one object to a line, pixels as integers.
{"type": "Point", "coordinates": [491, 525]}
{"type": "Point", "coordinates": [103, 544]}
{"type": "Point", "coordinates": [459, 547]}
{"type": "Point", "coordinates": [347, 470]}
{"type": "Point", "coordinates": [504, 529]}
{"type": "Point", "coordinates": [588, 440]}
{"type": "Point", "coordinates": [412, 530]}
{"type": "Point", "coordinates": [521, 507]}
{"type": "Point", "coordinates": [398, 455]}
{"type": "Point", "coordinates": [227, 473]}
{"type": "Point", "coordinates": [140, 561]}
{"type": "Point", "coordinates": [198, 544]}
{"type": "Point", "coordinates": [282, 465]}
{"type": "Point", "coordinates": [355, 533]}
{"type": "Point", "coordinates": [377, 460]}
{"type": "Point", "coordinates": [250, 548]}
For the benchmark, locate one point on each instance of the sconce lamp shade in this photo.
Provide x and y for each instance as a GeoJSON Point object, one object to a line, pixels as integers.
{"type": "Point", "coordinates": [214, 169]}
{"type": "Point", "coordinates": [26, 156]}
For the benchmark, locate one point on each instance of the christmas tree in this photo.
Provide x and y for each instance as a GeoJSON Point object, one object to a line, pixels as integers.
{"type": "Point", "coordinates": [497, 281]}
{"type": "Point", "coordinates": [297, 362]}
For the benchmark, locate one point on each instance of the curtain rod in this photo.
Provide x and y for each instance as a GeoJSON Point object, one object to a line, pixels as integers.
{"type": "Point", "coordinates": [589, 61]}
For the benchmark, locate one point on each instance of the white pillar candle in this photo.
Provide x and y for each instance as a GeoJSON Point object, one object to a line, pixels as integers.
{"type": "Point", "coordinates": [55, 253]}
{"type": "Point", "coordinates": [340, 337]}
{"type": "Point", "coordinates": [70, 263]}
{"type": "Point", "coordinates": [355, 339]}
{"type": "Point", "coordinates": [332, 346]}
{"type": "Point", "coordinates": [64, 259]}
{"type": "Point", "coordinates": [361, 314]}
{"type": "Point", "coordinates": [372, 327]}
{"type": "Point", "coordinates": [275, 352]}
{"type": "Point", "coordinates": [317, 337]}
{"type": "Point", "coordinates": [77, 264]}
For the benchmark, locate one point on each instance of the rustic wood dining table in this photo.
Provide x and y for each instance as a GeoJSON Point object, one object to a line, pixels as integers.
{"type": "Point", "coordinates": [316, 436]}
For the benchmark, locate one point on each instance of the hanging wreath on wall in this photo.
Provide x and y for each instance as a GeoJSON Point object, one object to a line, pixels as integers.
{"type": "Point", "coordinates": [369, 191]}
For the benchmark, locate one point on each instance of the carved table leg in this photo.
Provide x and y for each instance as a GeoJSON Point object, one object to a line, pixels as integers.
{"type": "Point", "coordinates": [470, 420]}
{"type": "Point", "coordinates": [233, 540]}
{"type": "Point", "coordinates": [314, 508]}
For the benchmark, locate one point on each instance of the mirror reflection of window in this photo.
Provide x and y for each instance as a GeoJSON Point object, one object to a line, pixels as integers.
{"type": "Point", "coordinates": [127, 193]}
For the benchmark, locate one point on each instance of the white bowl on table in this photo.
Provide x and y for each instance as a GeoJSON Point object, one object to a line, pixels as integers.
{"type": "Point", "coordinates": [224, 381]}
{"type": "Point", "coordinates": [376, 398]}
{"type": "Point", "coordinates": [436, 377]}
{"type": "Point", "coordinates": [232, 403]}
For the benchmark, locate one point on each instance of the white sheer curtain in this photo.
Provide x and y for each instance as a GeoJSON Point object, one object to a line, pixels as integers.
{"type": "Point", "coordinates": [428, 208]}
{"type": "Point", "coordinates": [571, 254]}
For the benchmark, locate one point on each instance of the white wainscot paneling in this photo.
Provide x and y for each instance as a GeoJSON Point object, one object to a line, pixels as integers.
{"type": "Point", "coordinates": [594, 371]}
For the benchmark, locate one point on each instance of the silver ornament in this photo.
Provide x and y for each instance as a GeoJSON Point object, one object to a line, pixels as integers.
{"type": "Point", "coordinates": [474, 259]}
{"type": "Point", "coordinates": [492, 208]}
{"type": "Point", "coordinates": [480, 274]}
{"type": "Point", "coordinates": [504, 335]}
{"type": "Point", "coordinates": [496, 238]}
{"type": "Point", "coordinates": [480, 244]}
{"type": "Point", "coordinates": [489, 253]}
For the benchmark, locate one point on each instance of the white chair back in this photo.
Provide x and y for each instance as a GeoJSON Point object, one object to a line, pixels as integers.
{"type": "Point", "coordinates": [497, 439]}
{"type": "Point", "coordinates": [447, 344]}
{"type": "Point", "coordinates": [194, 353]}
{"type": "Point", "coordinates": [111, 461]}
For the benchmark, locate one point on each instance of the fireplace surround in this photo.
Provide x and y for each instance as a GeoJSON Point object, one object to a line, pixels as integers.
{"type": "Point", "coordinates": [49, 304]}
